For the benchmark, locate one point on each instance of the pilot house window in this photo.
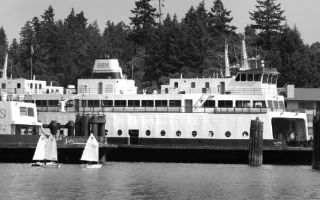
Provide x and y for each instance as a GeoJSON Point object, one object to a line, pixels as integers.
{"type": "Point", "coordinates": [225, 104]}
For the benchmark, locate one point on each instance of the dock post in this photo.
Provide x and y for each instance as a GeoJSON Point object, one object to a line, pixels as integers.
{"type": "Point", "coordinates": [53, 127]}
{"type": "Point", "coordinates": [102, 125]}
{"type": "Point", "coordinates": [94, 122]}
{"type": "Point", "coordinates": [316, 144]}
{"type": "Point", "coordinates": [71, 128]}
{"type": "Point", "coordinates": [77, 125]}
{"type": "Point", "coordinates": [84, 125]}
{"type": "Point", "coordinates": [256, 143]}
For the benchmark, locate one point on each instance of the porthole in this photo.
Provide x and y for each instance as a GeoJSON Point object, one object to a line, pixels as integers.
{"type": "Point", "coordinates": [178, 133]}
{"type": "Point", "coordinates": [194, 133]}
{"type": "Point", "coordinates": [228, 134]}
{"type": "Point", "coordinates": [211, 133]}
{"type": "Point", "coordinates": [119, 132]}
{"type": "Point", "coordinates": [245, 134]}
{"type": "Point", "coordinates": [163, 133]}
{"type": "Point", "coordinates": [148, 132]}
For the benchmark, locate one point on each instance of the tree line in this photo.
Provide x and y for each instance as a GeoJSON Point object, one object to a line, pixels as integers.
{"type": "Point", "coordinates": [64, 50]}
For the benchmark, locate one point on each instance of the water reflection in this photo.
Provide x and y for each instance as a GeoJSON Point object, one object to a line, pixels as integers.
{"type": "Point", "coordinates": [159, 181]}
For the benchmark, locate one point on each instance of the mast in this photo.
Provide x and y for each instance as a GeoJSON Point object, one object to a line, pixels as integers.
{"type": "Point", "coordinates": [227, 65]}
{"type": "Point", "coordinates": [245, 64]}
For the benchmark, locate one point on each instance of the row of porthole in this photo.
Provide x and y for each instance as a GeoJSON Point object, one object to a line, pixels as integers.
{"type": "Point", "coordinates": [194, 133]}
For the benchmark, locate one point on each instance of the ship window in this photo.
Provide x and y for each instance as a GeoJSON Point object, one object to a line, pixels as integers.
{"type": "Point", "coordinates": [245, 134]}
{"type": "Point", "coordinates": [23, 111]}
{"type": "Point", "coordinates": [207, 85]}
{"type": "Point", "coordinates": [211, 133]}
{"type": "Point", "coordinates": [31, 85]}
{"type": "Point", "coordinates": [106, 132]}
{"type": "Point", "coordinates": [93, 103]}
{"type": "Point", "coordinates": [259, 104]}
{"type": "Point", "coordinates": [30, 112]}
{"type": "Point", "coordinates": [243, 104]}
{"type": "Point", "coordinates": [166, 90]}
{"type": "Point", "coordinates": [40, 86]}
{"type": "Point", "coordinates": [36, 86]}
{"type": "Point", "coordinates": [174, 103]}
{"type": "Point", "coordinates": [161, 103]}
{"type": "Point", "coordinates": [274, 79]}
{"type": "Point", "coordinates": [269, 104]}
{"type": "Point", "coordinates": [41, 103]}
{"type": "Point", "coordinates": [3, 86]}
{"type": "Point", "coordinates": [120, 103]}
{"type": "Point", "coordinates": [228, 134]}
{"type": "Point", "coordinates": [243, 77]}
{"type": "Point", "coordinates": [163, 133]}
{"type": "Point", "coordinates": [18, 85]}
{"type": "Point", "coordinates": [178, 133]}
{"type": "Point", "coordinates": [306, 105]}
{"type": "Point", "coordinates": [225, 104]}
{"type": "Point", "coordinates": [119, 132]}
{"type": "Point", "coordinates": [194, 133]}
{"type": "Point", "coordinates": [275, 104]}
{"type": "Point", "coordinates": [147, 103]}
{"type": "Point", "coordinates": [238, 77]}
{"type": "Point", "coordinates": [257, 77]}
{"type": "Point", "coordinates": [250, 77]}
{"type": "Point", "coordinates": [209, 104]}
{"type": "Point", "coordinates": [281, 104]}
{"type": "Point", "coordinates": [106, 103]}
{"type": "Point", "coordinates": [176, 85]}
{"type": "Point", "coordinates": [53, 103]}
{"type": "Point", "coordinates": [269, 79]}
{"type": "Point", "coordinates": [148, 132]}
{"type": "Point", "coordinates": [133, 103]}
{"type": "Point", "coordinates": [193, 84]}
{"type": "Point", "coordinates": [265, 78]}
{"type": "Point", "coordinates": [83, 103]}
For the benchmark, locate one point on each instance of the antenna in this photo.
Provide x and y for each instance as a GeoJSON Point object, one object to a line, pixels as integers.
{"type": "Point", "coordinates": [227, 65]}
{"type": "Point", "coordinates": [160, 13]}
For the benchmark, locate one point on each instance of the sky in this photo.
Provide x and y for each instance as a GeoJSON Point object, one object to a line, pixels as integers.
{"type": "Point", "coordinates": [14, 13]}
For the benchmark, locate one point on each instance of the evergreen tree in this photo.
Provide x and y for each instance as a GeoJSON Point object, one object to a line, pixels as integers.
{"type": "Point", "coordinates": [269, 20]}
{"type": "Point", "coordinates": [143, 22]}
{"type": "Point", "coordinates": [219, 19]}
{"type": "Point", "coordinates": [3, 45]}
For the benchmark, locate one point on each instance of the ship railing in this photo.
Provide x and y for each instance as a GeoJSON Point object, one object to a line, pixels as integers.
{"type": "Point", "coordinates": [79, 139]}
{"type": "Point", "coordinates": [228, 90]}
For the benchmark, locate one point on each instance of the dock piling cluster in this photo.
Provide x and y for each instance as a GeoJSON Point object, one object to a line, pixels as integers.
{"type": "Point", "coordinates": [256, 143]}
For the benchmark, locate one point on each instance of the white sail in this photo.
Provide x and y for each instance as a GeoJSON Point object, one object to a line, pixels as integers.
{"type": "Point", "coordinates": [91, 150]}
{"type": "Point", "coordinates": [51, 149]}
{"type": "Point", "coordinates": [39, 153]}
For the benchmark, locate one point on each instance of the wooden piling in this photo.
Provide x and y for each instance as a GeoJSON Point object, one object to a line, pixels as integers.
{"type": "Point", "coordinates": [53, 127]}
{"type": "Point", "coordinates": [84, 125]}
{"type": "Point", "coordinates": [71, 127]}
{"type": "Point", "coordinates": [94, 124]}
{"type": "Point", "coordinates": [316, 144]}
{"type": "Point", "coordinates": [256, 143]}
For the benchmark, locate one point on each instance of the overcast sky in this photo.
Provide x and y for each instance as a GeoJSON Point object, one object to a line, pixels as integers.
{"type": "Point", "coordinates": [14, 13]}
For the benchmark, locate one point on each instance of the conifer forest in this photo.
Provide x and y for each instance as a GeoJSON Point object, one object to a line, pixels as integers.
{"type": "Point", "coordinates": [154, 47]}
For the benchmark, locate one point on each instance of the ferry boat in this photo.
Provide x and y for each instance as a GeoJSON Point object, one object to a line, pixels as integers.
{"type": "Point", "coordinates": [196, 112]}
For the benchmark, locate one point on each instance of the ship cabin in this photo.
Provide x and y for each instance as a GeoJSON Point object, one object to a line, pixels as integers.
{"type": "Point", "coordinates": [106, 78]}
{"type": "Point", "coordinates": [18, 118]}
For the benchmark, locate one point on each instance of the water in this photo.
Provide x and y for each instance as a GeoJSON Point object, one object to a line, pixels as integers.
{"type": "Point", "coordinates": [159, 181]}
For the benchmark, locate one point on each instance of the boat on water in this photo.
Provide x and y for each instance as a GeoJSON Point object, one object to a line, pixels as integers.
{"type": "Point", "coordinates": [193, 112]}
{"type": "Point", "coordinates": [45, 154]}
{"type": "Point", "coordinates": [91, 153]}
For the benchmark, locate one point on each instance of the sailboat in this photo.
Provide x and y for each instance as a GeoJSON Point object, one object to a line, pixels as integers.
{"type": "Point", "coordinates": [46, 152]}
{"type": "Point", "coordinates": [91, 153]}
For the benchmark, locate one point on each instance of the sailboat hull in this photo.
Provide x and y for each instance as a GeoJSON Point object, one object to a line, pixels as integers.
{"type": "Point", "coordinates": [91, 166]}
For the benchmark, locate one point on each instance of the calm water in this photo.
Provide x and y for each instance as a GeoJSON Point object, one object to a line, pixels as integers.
{"type": "Point", "coordinates": [159, 181]}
